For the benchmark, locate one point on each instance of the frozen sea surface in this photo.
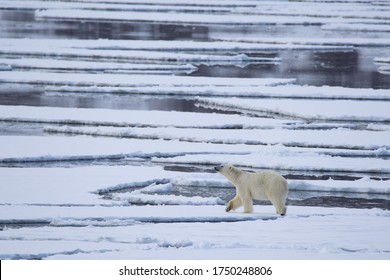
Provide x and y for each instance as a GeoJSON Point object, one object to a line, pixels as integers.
{"type": "Point", "coordinates": [113, 114]}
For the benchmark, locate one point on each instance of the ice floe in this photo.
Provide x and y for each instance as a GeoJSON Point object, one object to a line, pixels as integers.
{"type": "Point", "coordinates": [281, 162]}
{"type": "Point", "coordinates": [341, 110]}
{"type": "Point", "coordinates": [357, 27]}
{"type": "Point", "coordinates": [121, 80]}
{"type": "Point", "coordinates": [363, 185]}
{"type": "Point", "coordinates": [290, 91]}
{"type": "Point", "coordinates": [195, 240]}
{"type": "Point", "coordinates": [128, 118]}
{"type": "Point", "coordinates": [110, 48]}
{"type": "Point", "coordinates": [307, 8]}
{"type": "Point", "coordinates": [73, 186]}
{"type": "Point", "coordinates": [93, 66]}
{"type": "Point", "coordinates": [289, 42]}
{"type": "Point", "coordinates": [335, 138]}
{"type": "Point", "coordinates": [205, 19]}
{"type": "Point", "coordinates": [141, 214]}
{"type": "Point", "coordinates": [121, 51]}
{"type": "Point", "coordinates": [45, 149]}
{"type": "Point", "coordinates": [383, 64]}
{"type": "Point", "coordinates": [195, 6]}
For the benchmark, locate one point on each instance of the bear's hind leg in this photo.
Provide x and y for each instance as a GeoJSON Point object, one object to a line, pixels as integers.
{"type": "Point", "coordinates": [233, 204]}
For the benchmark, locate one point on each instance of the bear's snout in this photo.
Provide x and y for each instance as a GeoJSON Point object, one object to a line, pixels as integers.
{"type": "Point", "coordinates": [218, 168]}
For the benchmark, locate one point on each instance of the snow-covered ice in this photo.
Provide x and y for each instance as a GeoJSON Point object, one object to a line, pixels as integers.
{"type": "Point", "coordinates": [291, 42]}
{"type": "Point", "coordinates": [89, 183]}
{"type": "Point", "coordinates": [122, 80]}
{"type": "Point", "coordinates": [243, 18]}
{"type": "Point", "coordinates": [342, 110]}
{"type": "Point", "coordinates": [93, 66]}
{"type": "Point", "coordinates": [383, 64]}
{"type": "Point", "coordinates": [339, 138]}
{"type": "Point", "coordinates": [138, 51]}
{"type": "Point", "coordinates": [329, 231]}
{"type": "Point", "coordinates": [127, 118]}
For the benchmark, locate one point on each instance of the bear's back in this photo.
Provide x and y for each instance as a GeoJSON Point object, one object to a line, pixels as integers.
{"type": "Point", "coordinates": [269, 178]}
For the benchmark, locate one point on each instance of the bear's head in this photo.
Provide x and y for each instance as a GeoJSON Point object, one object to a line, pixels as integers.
{"type": "Point", "coordinates": [223, 168]}
{"type": "Point", "coordinates": [227, 170]}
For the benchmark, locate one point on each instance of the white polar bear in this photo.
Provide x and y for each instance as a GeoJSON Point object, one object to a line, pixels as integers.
{"type": "Point", "coordinates": [264, 185]}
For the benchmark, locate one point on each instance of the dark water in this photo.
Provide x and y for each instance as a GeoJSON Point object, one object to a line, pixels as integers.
{"type": "Point", "coordinates": [36, 96]}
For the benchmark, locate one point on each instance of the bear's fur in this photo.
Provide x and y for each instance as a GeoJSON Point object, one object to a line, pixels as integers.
{"type": "Point", "coordinates": [264, 185]}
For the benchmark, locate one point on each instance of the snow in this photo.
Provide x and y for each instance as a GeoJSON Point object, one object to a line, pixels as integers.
{"type": "Point", "coordinates": [135, 5]}
{"type": "Point", "coordinates": [382, 60]}
{"type": "Point", "coordinates": [282, 91]}
{"type": "Point", "coordinates": [139, 198]}
{"type": "Point", "coordinates": [311, 162]}
{"type": "Point", "coordinates": [105, 48]}
{"type": "Point", "coordinates": [72, 186]}
{"type": "Point", "coordinates": [93, 66]}
{"type": "Point", "coordinates": [42, 149]}
{"type": "Point", "coordinates": [78, 223]}
{"type": "Point", "coordinates": [342, 110]}
{"type": "Point", "coordinates": [336, 10]}
{"type": "Point", "coordinates": [141, 52]}
{"type": "Point", "coordinates": [289, 42]}
{"type": "Point", "coordinates": [122, 80]}
{"type": "Point", "coordinates": [109, 216]}
{"type": "Point", "coordinates": [122, 184]}
{"type": "Point", "coordinates": [126, 118]}
{"type": "Point", "coordinates": [330, 235]}
{"type": "Point", "coordinates": [194, 18]}
{"type": "Point", "coordinates": [363, 185]}
{"type": "Point", "coordinates": [357, 27]}
{"type": "Point", "coordinates": [383, 64]}
{"type": "Point", "coordinates": [75, 222]}
{"type": "Point", "coordinates": [339, 138]}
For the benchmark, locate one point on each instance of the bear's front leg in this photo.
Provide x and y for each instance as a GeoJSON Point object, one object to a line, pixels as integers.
{"type": "Point", "coordinates": [233, 204]}
{"type": "Point", "coordinates": [248, 206]}
{"type": "Point", "coordinates": [246, 200]}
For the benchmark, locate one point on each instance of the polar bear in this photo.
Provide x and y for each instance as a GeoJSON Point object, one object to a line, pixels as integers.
{"type": "Point", "coordinates": [264, 185]}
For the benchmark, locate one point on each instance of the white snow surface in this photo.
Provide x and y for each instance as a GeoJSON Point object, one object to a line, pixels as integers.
{"type": "Point", "coordinates": [79, 224]}
{"type": "Point", "coordinates": [339, 138]}
{"type": "Point", "coordinates": [42, 149]}
{"type": "Point", "coordinates": [341, 110]}
{"type": "Point", "coordinates": [222, 19]}
{"type": "Point", "coordinates": [128, 118]}
{"type": "Point", "coordinates": [105, 67]}
{"type": "Point", "coordinates": [329, 230]}
{"type": "Point", "coordinates": [135, 51]}
{"type": "Point", "coordinates": [288, 90]}
{"type": "Point", "coordinates": [290, 42]}
{"type": "Point", "coordinates": [122, 80]}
